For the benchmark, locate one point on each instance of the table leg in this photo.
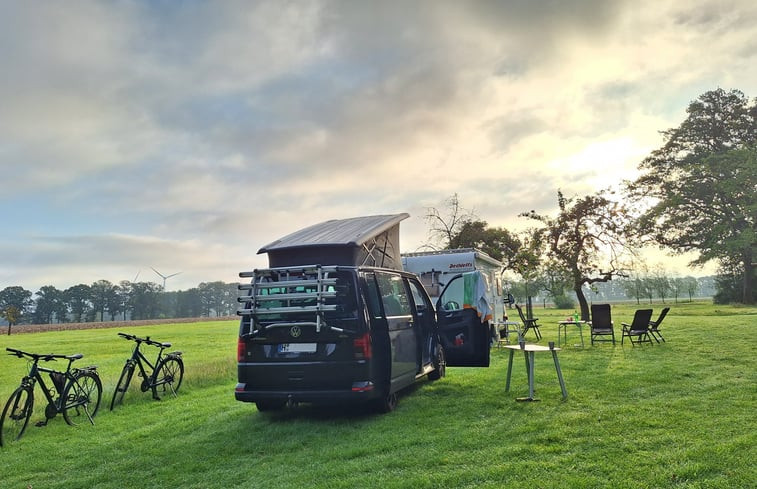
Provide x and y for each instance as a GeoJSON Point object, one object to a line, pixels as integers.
{"type": "Point", "coordinates": [529, 356]}
{"type": "Point", "coordinates": [559, 375]}
{"type": "Point", "coordinates": [581, 332]}
{"type": "Point", "coordinates": [531, 375]}
{"type": "Point", "coordinates": [509, 370]}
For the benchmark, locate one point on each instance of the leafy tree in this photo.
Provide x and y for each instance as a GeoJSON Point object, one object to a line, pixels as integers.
{"type": "Point", "coordinates": [78, 300]}
{"type": "Point", "coordinates": [702, 185]}
{"type": "Point", "coordinates": [11, 314]}
{"type": "Point", "coordinates": [499, 243]}
{"type": "Point", "coordinates": [218, 298]}
{"type": "Point", "coordinates": [586, 240]}
{"type": "Point", "coordinates": [121, 303]}
{"type": "Point", "coordinates": [114, 302]}
{"type": "Point", "coordinates": [691, 285]}
{"type": "Point", "coordinates": [49, 303]}
{"type": "Point", "coordinates": [660, 283]}
{"type": "Point", "coordinates": [231, 303]}
{"type": "Point", "coordinates": [103, 294]}
{"type": "Point", "coordinates": [189, 303]}
{"type": "Point", "coordinates": [15, 301]}
{"type": "Point", "coordinates": [728, 282]}
{"type": "Point", "coordinates": [144, 300]}
{"type": "Point", "coordinates": [633, 287]}
{"type": "Point", "coordinates": [527, 261]}
{"type": "Point", "coordinates": [555, 281]}
{"type": "Point", "coordinates": [677, 286]}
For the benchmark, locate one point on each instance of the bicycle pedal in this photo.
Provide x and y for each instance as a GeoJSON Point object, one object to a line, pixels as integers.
{"type": "Point", "coordinates": [40, 424]}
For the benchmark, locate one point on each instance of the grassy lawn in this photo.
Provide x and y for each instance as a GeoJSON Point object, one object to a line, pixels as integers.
{"type": "Point", "coordinates": [678, 414]}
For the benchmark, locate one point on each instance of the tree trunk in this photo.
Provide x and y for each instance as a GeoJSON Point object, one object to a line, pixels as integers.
{"type": "Point", "coordinates": [583, 304]}
{"type": "Point", "coordinates": [747, 296]}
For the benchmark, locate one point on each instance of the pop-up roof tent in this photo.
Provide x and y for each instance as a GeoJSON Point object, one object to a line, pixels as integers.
{"type": "Point", "coordinates": [369, 240]}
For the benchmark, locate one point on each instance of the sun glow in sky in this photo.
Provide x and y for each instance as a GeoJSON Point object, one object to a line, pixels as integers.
{"type": "Point", "coordinates": [185, 136]}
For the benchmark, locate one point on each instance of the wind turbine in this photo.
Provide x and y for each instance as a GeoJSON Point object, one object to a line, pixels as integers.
{"type": "Point", "coordinates": [165, 277]}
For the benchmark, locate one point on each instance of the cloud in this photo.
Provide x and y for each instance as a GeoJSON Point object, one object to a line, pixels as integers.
{"type": "Point", "coordinates": [50, 260]}
{"type": "Point", "coordinates": [138, 132]}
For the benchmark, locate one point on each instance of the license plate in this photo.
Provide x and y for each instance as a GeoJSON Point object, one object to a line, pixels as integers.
{"type": "Point", "coordinates": [297, 348]}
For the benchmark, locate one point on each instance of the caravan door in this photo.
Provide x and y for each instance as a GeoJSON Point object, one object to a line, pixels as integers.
{"type": "Point", "coordinates": [463, 323]}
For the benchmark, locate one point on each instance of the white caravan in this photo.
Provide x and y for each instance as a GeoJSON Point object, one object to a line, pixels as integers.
{"type": "Point", "coordinates": [437, 268]}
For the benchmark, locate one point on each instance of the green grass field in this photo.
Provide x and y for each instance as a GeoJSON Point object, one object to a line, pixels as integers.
{"type": "Point", "coordinates": [678, 414]}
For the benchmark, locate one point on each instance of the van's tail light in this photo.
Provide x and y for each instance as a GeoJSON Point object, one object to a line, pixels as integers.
{"type": "Point", "coordinates": [241, 350]}
{"type": "Point", "coordinates": [362, 345]}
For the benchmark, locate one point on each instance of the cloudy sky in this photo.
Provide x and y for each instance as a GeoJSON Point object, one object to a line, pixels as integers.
{"type": "Point", "coordinates": [184, 136]}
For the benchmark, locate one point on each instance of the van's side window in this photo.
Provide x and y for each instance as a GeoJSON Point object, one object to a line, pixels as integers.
{"type": "Point", "coordinates": [421, 304]}
{"type": "Point", "coordinates": [393, 295]}
{"type": "Point", "coordinates": [372, 296]}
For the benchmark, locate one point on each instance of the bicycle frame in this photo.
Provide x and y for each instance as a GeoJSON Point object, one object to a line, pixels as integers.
{"type": "Point", "coordinates": [35, 377]}
{"type": "Point", "coordinates": [140, 360]}
{"type": "Point", "coordinates": [74, 392]}
{"type": "Point", "coordinates": [137, 357]}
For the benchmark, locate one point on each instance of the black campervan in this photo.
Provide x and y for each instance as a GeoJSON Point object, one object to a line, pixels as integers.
{"type": "Point", "coordinates": [335, 319]}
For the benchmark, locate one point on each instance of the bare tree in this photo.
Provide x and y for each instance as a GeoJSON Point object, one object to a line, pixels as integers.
{"type": "Point", "coordinates": [444, 225]}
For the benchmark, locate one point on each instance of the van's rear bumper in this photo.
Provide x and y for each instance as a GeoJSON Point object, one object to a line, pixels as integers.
{"type": "Point", "coordinates": [315, 382]}
{"type": "Point", "coordinates": [360, 392]}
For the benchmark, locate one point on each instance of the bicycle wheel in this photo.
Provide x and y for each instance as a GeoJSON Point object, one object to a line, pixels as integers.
{"type": "Point", "coordinates": [170, 375]}
{"type": "Point", "coordinates": [81, 398]}
{"type": "Point", "coordinates": [123, 385]}
{"type": "Point", "coordinates": [16, 414]}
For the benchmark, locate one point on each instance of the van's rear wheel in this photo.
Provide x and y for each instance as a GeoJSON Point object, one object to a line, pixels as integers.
{"type": "Point", "coordinates": [386, 403]}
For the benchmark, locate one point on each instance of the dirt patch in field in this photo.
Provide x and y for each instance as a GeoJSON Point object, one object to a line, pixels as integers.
{"type": "Point", "coordinates": [38, 328]}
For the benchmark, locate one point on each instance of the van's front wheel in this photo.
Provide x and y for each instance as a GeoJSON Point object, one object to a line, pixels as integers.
{"type": "Point", "coordinates": [440, 364]}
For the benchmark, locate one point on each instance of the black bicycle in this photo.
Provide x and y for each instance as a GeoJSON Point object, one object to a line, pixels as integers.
{"type": "Point", "coordinates": [166, 373]}
{"type": "Point", "coordinates": [78, 392]}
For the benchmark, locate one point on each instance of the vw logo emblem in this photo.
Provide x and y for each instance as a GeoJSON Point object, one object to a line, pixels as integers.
{"type": "Point", "coordinates": [295, 331]}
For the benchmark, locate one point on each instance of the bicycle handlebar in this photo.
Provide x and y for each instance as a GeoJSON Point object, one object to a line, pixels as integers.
{"type": "Point", "coordinates": [144, 340]}
{"type": "Point", "coordinates": [46, 357]}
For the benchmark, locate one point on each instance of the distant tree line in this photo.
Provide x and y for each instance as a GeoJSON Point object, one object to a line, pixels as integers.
{"type": "Point", "coordinates": [105, 301]}
{"type": "Point", "coordinates": [649, 289]}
